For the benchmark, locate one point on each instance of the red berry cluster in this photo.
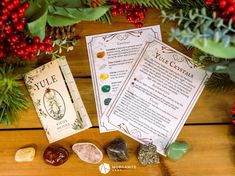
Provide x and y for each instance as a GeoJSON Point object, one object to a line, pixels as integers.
{"type": "Point", "coordinates": [233, 114]}
{"type": "Point", "coordinates": [135, 14]}
{"type": "Point", "coordinates": [13, 40]}
{"type": "Point", "coordinates": [224, 8]}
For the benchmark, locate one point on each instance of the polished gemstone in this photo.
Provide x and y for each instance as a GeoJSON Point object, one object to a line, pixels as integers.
{"type": "Point", "coordinates": [106, 88]}
{"type": "Point", "coordinates": [177, 150]}
{"type": "Point", "coordinates": [100, 54]}
{"type": "Point", "coordinates": [107, 101]}
{"type": "Point", "coordinates": [147, 154]}
{"type": "Point", "coordinates": [55, 155]}
{"type": "Point", "coordinates": [104, 76]}
{"type": "Point", "coordinates": [26, 154]}
{"type": "Point", "coordinates": [88, 152]}
{"type": "Point", "coordinates": [117, 150]}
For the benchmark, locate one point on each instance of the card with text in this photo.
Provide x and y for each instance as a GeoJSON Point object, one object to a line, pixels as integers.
{"type": "Point", "coordinates": [57, 100]}
{"type": "Point", "coordinates": [157, 95]}
{"type": "Point", "coordinates": [111, 56]}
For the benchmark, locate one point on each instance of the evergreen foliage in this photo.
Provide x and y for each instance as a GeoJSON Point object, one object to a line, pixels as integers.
{"type": "Point", "coordinates": [12, 98]}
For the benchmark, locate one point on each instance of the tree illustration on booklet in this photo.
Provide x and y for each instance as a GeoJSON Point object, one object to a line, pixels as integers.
{"type": "Point", "coordinates": [77, 125]}
{"type": "Point", "coordinates": [54, 104]}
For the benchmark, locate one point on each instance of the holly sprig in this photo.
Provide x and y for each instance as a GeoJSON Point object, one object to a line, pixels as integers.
{"type": "Point", "coordinates": [58, 13]}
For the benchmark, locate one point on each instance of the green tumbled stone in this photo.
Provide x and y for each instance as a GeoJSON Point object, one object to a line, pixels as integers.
{"type": "Point", "coordinates": [177, 150]}
{"type": "Point", "coordinates": [107, 101]}
{"type": "Point", "coordinates": [106, 88]}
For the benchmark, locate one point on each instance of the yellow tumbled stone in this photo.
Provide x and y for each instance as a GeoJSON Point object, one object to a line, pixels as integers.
{"type": "Point", "coordinates": [104, 76]}
{"type": "Point", "coordinates": [25, 154]}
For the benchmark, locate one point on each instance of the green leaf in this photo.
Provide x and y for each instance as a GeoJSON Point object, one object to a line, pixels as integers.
{"type": "Point", "coordinates": [187, 24]}
{"type": "Point", "coordinates": [85, 14]}
{"type": "Point", "coordinates": [218, 68]}
{"type": "Point", "coordinates": [203, 11]}
{"type": "Point", "coordinates": [149, 3]}
{"type": "Point", "coordinates": [214, 15]}
{"type": "Point", "coordinates": [218, 22]}
{"type": "Point", "coordinates": [37, 27]}
{"type": "Point", "coordinates": [92, 14]}
{"type": "Point", "coordinates": [163, 13]}
{"type": "Point", "coordinates": [106, 18]}
{"type": "Point", "coordinates": [230, 24]}
{"type": "Point", "coordinates": [68, 3]}
{"type": "Point", "coordinates": [36, 10]}
{"type": "Point", "coordinates": [59, 21]}
{"type": "Point", "coordinates": [171, 37]}
{"type": "Point", "coordinates": [179, 22]}
{"type": "Point", "coordinates": [217, 35]}
{"type": "Point", "coordinates": [215, 49]}
{"type": "Point", "coordinates": [232, 71]}
{"type": "Point", "coordinates": [204, 42]}
{"type": "Point", "coordinates": [226, 40]}
{"type": "Point", "coordinates": [181, 13]}
{"type": "Point", "coordinates": [59, 16]}
{"type": "Point", "coordinates": [233, 39]}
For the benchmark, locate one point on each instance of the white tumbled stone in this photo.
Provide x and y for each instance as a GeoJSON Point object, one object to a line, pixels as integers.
{"type": "Point", "coordinates": [26, 154]}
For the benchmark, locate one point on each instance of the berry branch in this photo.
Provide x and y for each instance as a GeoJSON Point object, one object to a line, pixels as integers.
{"type": "Point", "coordinates": [224, 8]}
{"type": "Point", "coordinates": [13, 40]}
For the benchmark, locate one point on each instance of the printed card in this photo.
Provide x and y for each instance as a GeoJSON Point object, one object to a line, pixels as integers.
{"type": "Point", "coordinates": [57, 100]}
{"type": "Point", "coordinates": [157, 95]}
{"type": "Point", "coordinates": [111, 56]}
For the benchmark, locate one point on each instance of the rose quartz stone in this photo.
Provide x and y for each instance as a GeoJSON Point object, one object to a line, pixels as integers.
{"type": "Point", "coordinates": [88, 152]}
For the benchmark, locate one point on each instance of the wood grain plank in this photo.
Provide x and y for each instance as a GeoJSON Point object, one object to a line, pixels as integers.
{"type": "Point", "coordinates": [210, 108]}
{"type": "Point", "coordinates": [212, 153]}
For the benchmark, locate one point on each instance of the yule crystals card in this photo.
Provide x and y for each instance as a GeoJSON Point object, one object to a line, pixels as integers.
{"type": "Point", "coordinates": [157, 95]}
{"type": "Point", "coordinates": [111, 56]}
{"type": "Point", "coordinates": [57, 100]}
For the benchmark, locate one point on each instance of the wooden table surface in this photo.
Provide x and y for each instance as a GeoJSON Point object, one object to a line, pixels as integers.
{"type": "Point", "coordinates": [207, 130]}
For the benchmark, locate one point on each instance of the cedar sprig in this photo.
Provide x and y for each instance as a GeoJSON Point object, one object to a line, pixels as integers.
{"type": "Point", "coordinates": [12, 98]}
{"type": "Point", "coordinates": [197, 24]}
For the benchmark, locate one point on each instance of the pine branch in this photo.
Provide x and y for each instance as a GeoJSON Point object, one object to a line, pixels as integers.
{"type": "Point", "coordinates": [150, 3]}
{"type": "Point", "coordinates": [186, 5]}
{"type": "Point", "coordinates": [20, 67]}
{"type": "Point", "coordinates": [106, 18]}
{"type": "Point", "coordinates": [220, 82]}
{"type": "Point", "coordinates": [12, 98]}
